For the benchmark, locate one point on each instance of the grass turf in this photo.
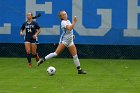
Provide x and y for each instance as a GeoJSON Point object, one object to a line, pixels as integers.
{"type": "Point", "coordinates": [104, 76]}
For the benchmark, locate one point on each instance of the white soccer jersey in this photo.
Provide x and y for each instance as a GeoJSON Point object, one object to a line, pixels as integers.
{"type": "Point", "coordinates": [67, 36]}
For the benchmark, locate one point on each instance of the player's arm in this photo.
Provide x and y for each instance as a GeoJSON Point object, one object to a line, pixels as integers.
{"type": "Point", "coordinates": [22, 29]}
{"type": "Point", "coordinates": [21, 32]}
{"type": "Point", "coordinates": [37, 33]}
{"type": "Point", "coordinates": [38, 30]}
{"type": "Point", "coordinates": [70, 27]}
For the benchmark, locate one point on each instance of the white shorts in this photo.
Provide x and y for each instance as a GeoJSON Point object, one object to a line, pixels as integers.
{"type": "Point", "coordinates": [66, 43]}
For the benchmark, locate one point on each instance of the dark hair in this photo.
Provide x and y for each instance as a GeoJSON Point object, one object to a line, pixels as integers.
{"type": "Point", "coordinates": [37, 16]}
{"type": "Point", "coordinates": [30, 13]}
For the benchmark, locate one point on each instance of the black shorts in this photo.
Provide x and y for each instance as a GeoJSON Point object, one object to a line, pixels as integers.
{"type": "Point", "coordinates": [33, 41]}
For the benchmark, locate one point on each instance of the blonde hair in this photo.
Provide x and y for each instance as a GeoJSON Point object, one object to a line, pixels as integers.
{"type": "Point", "coordinates": [59, 14]}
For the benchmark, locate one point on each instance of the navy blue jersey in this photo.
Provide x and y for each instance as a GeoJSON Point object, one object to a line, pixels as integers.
{"type": "Point", "coordinates": [30, 29]}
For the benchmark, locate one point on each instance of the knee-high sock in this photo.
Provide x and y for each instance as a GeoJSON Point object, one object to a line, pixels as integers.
{"type": "Point", "coordinates": [51, 55]}
{"type": "Point", "coordinates": [76, 62]}
{"type": "Point", "coordinates": [35, 55]}
{"type": "Point", "coordinates": [29, 58]}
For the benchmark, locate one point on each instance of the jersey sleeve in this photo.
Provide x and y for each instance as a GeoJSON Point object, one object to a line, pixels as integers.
{"type": "Point", "coordinates": [64, 24]}
{"type": "Point", "coordinates": [23, 27]}
{"type": "Point", "coordinates": [37, 26]}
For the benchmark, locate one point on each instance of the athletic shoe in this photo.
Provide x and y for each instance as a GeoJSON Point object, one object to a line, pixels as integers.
{"type": "Point", "coordinates": [30, 65]}
{"type": "Point", "coordinates": [40, 62]}
{"type": "Point", "coordinates": [82, 72]}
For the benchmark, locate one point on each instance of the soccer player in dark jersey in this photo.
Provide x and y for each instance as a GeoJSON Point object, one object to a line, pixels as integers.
{"type": "Point", "coordinates": [32, 29]}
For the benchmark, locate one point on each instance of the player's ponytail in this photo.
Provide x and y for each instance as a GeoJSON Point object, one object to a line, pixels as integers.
{"type": "Point", "coordinates": [37, 16]}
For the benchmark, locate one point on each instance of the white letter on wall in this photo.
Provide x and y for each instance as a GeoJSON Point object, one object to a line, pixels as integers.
{"type": "Point", "coordinates": [31, 6]}
{"type": "Point", "coordinates": [6, 29]}
{"type": "Point", "coordinates": [132, 19]}
{"type": "Point", "coordinates": [106, 20]}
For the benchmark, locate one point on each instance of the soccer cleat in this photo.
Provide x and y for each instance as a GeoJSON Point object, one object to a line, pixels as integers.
{"type": "Point", "coordinates": [40, 62]}
{"type": "Point", "coordinates": [37, 58]}
{"type": "Point", "coordinates": [82, 72]}
{"type": "Point", "coordinates": [30, 65]}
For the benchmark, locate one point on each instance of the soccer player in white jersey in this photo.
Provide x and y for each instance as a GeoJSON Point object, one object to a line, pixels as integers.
{"type": "Point", "coordinates": [66, 40]}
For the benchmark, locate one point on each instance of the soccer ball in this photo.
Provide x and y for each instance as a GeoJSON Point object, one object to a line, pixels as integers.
{"type": "Point", "coordinates": [51, 70]}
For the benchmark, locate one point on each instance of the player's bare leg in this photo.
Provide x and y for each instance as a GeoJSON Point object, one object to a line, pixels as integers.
{"type": "Point", "coordinates": [34, 53]}
{"type": "Point", "coordinates": [73, 52]}
{"type": "Point", "coordinates": [59, 49]}
{"type": "Point", "coordinates": [28, 52]}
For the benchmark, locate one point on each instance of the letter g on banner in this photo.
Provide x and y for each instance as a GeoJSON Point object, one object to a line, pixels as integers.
{"type": "Point", "coordinates": [106, 20]}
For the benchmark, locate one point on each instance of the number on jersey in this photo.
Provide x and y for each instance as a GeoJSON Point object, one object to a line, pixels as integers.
{"type": "Point", "coordinates": [29, 30]}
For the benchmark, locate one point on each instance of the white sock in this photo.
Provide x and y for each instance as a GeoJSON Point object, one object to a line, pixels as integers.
{"type": "Point", "coordinates": [51, 55]}
{"type": "Point", "coordinates": [76, 62]}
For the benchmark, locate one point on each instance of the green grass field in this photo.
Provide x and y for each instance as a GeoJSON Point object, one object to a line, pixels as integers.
{"type": "Point", "coordinates": [104, 76]}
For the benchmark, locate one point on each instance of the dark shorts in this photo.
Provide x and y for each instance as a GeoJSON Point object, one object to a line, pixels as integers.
{"type": "Point", "coordinates": [33, 41]}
